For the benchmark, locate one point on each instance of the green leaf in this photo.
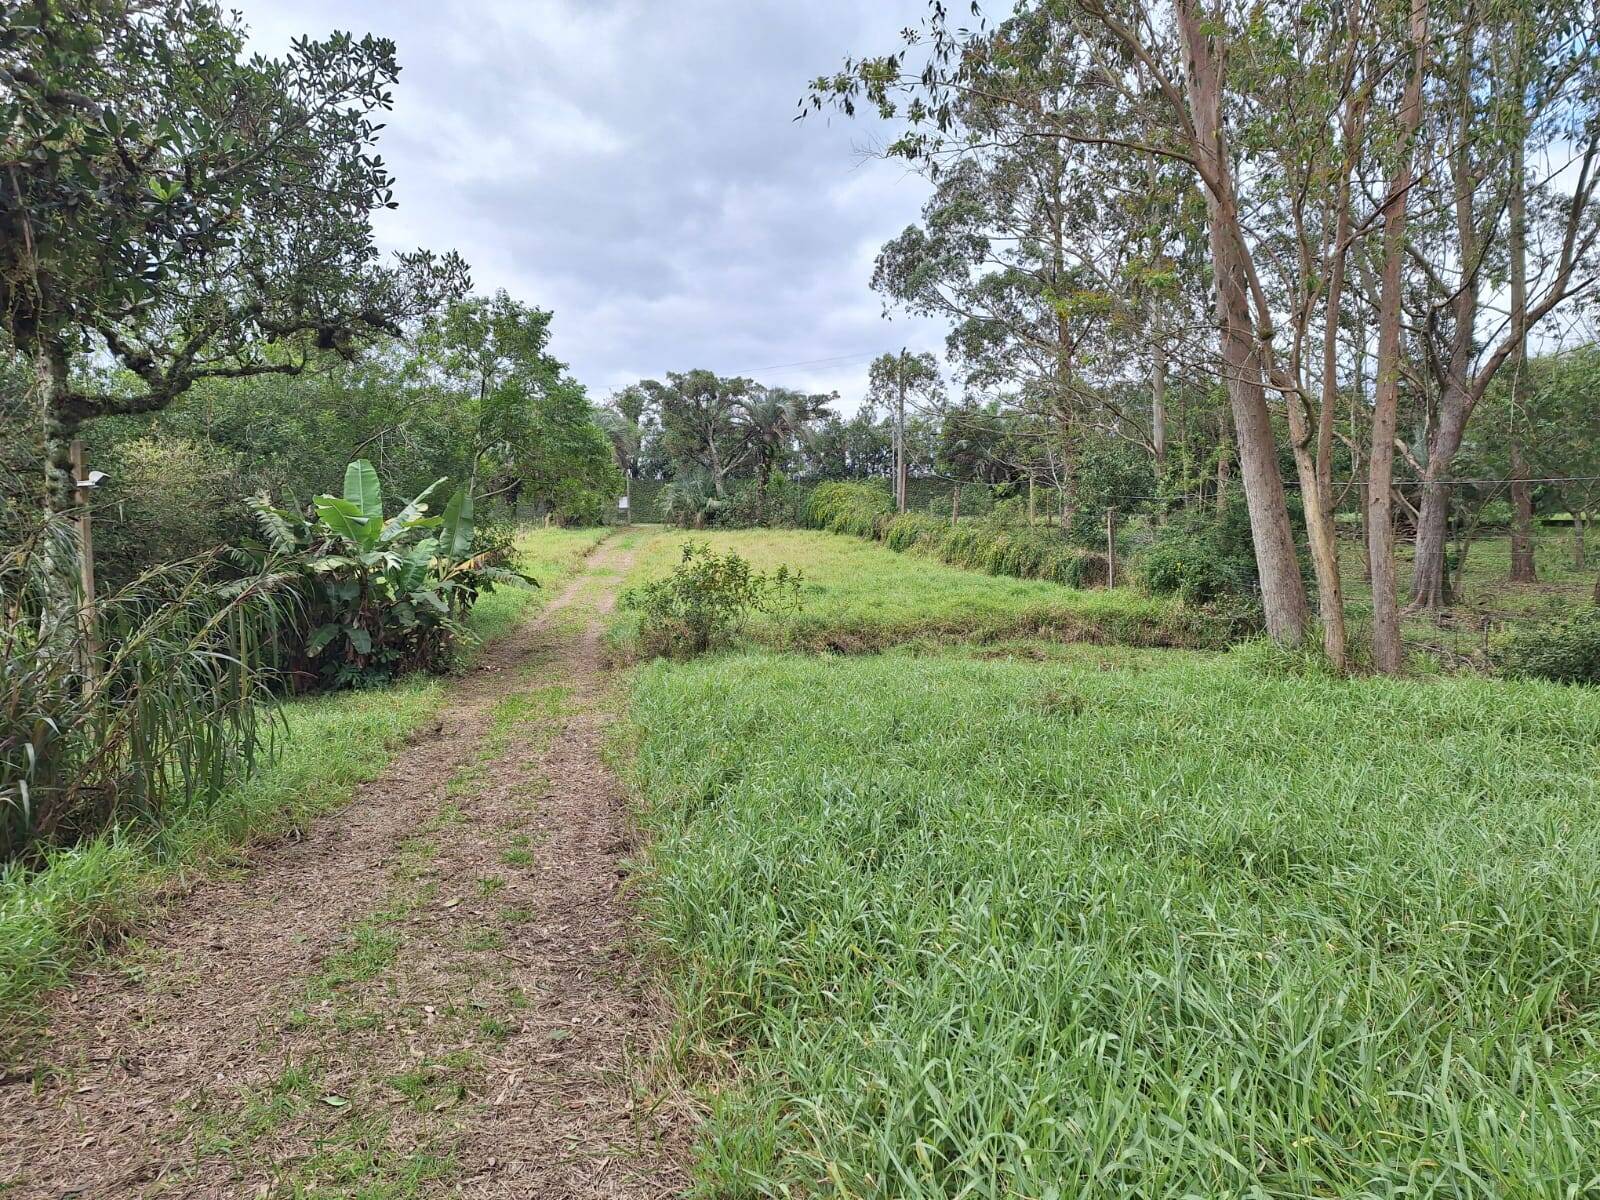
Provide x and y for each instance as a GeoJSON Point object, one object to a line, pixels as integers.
{"type": "Point", "coordinates": [360, 639]}
{"type": "Point", "coordinates": [362, 489]}
{"type": "Point", "coordinates": [411, 515]}
{"type": "Point", "coordinates": [318, 641]}
{"type": "Point", "coordinates": [457, 541]}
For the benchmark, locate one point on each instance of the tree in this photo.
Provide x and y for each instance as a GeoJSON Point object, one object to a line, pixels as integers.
{"type": "Point", "coordinates": [700, 414]}
{"type": "Point", "coordinates": [516, 415]}
{"type": "Point", "coordinates": [188, 211]}
{"type": "Point", "coordinates": [895, 380]}
{"type": "Point", "coordinates": [1513, 97]}
{"type": "Point", "coordinates": [1155, 84]}
{"type": "Point", "coordinates": [775, 419]}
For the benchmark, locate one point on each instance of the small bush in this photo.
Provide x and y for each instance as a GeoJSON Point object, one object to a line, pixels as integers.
{"type": "Point", "coordinates": [1203, 557]}
{"type": "Point", "coordinates": [1566, 651]}
{"type": "Point", "coordinates": [706, 600]}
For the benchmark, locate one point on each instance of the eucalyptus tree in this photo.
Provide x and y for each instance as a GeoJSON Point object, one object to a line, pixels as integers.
{"type": "Point", "coordinates": [1511, 235]}
{"type": "Point", "coordinates": [894, 380]}
{"type": "Point", "coordinates": [186, 211]}
{"type": "Point", "coordinates": [1124, 80]}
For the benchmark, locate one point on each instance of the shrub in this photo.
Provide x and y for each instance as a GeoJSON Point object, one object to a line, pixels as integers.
{"type": "Point", "coordinates": [996, 543]}
{"type": "Point", "coordinates": [688, 502]}
{"type": "Point", "coordinates": [1566, 651]}
{"type": "Point", "coordinates": [1202, 557]}
{"type": "Point", "coordinates": [170, 712]}
{"type": "Point", "coordinates": [862, 509]}
{"type": "Point", "coordinates": [746, 507]}
{"type": "Point", "coordinates": [167, 499]}
{"type": "Point", "coordinates": [382, 596]}
{"type": "Point", "coordinates": [706, 600]}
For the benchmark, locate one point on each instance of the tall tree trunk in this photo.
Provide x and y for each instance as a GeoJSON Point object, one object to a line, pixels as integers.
{"type": "Point", "coordinates": [1522, 564]}
{"type": "Point", "coordinates": [1430, 584]}
{"type": "Point", "coordinates": [1523, 569]}
{"type": "Point", "coordinates": [1283, 593]}
{"type": "Point", "coordinates": [60, 616]}
{"type": "Point", "coordinates": [1387, 652]}
{"type": "Point", "coordinates": [1158, 405]}
{"type": "Point", "coordinates": [50, 384]}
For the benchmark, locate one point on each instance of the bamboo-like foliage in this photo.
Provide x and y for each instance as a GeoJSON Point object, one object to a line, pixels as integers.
{"type": "Point", "coordinates": [173, 708]}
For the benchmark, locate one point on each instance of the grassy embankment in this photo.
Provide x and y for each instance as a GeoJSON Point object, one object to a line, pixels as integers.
{"type": "Point", "coordinates": [1119, 922]}
{"type": "Point", "coordinates": [53, 916]}
{"type": "Point", "coordinates": [860, 596]}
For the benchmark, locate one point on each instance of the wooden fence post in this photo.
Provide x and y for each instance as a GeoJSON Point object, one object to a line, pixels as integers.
{"type": "Point", "coordinates": [86, 612]}
{"type": "Point", "coordinates": [1111, 547]}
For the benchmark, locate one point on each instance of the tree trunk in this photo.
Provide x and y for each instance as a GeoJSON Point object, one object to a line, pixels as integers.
{"type": "Point", "coordinates": [1430, 586]}
{"type": "Point", "coordinates": [1158, 406]}
{"type": "Point", "coordinates": [1580, 557]}
{"type": "Point", "coordinates": [59, 619]}
{"type": "Point", "coordinates": [1283, 592]}
{"type": "Point", "coordinates": [1523, 569]}
{"type": "Point", "coordinates": [50, 381]}
{"type": "Point", "coordinates": [1387, 651]}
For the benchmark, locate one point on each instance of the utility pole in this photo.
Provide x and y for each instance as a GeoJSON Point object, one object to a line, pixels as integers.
{"type": "Point", "coordinates": [900, 472]}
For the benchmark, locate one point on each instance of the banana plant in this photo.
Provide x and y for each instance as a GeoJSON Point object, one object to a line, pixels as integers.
{"type": "Point", "coordinates": [387, 594]}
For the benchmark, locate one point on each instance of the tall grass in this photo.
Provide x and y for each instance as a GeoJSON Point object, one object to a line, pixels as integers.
{"type": "Point", "coordinates": [169, 713]}
{"type": "Point", "coordinates": [858, 596]}
{"type": "Point", "coordinates": [994, 929]}
{"type": "Point", "coordinates": [1023, 551]}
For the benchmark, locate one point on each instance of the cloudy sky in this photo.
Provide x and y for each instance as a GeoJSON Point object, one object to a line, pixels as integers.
{"type": "Point", "coordinates": [635, 166]}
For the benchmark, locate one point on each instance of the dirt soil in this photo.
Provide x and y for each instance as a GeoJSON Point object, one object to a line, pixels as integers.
{"type": "Point", "coordinates": [434, 992]}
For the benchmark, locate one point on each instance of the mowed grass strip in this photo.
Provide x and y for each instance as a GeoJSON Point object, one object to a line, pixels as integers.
{"type": "Point", "coordinates": [860, 596]}
{"type": "Point", "coordinates": [1004, 929]}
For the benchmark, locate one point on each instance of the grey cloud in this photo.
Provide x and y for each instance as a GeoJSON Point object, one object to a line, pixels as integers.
{"type": "Point", "coordinates": [636, 167]}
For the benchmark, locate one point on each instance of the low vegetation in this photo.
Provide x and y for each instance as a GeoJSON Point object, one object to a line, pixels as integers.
{"type": "Point", "coordinates": [993, 544]}
{"type": "Point", "coordinates": [76, 899]}
{"type": "Point", "coordinates": [380, 596]}
{"type": "Point", "coordinates": [1188, 927]}
{"type": "Point", "coordinates": [857, 596]}
{"type": "Point", "coordinates": [707, 600]}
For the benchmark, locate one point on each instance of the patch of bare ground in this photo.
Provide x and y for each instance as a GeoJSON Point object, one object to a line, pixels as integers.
{"type": "Point", "coordinates": [434, 993]}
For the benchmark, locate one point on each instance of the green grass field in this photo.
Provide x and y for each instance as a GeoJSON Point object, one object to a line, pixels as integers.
{"type": "Point", "coordinates": [86, 896]}
{"type": "Point", "coordinates": [861, 596]}
{"type": "Point", "coordinates": [989, 915]}
{"type": "Point", "coordinates": [1181, 928]}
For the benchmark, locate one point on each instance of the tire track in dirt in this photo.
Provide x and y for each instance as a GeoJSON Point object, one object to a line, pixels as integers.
{"type": "Point", "coordinates": [433, 993]}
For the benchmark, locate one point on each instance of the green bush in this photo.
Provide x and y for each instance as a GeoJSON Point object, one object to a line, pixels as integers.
{"type": "Point", "coordinates": [167, 499]}
{"type": "Point", "coordinates": [382, 596]}
{"type": "Point", "coordinates": [862, 509]}
{"type": "Point", "coordinates": [1565, 651]}
{"type": "Point", "coordinates": [1202, 557]}
{"type": "Point", "coordinates": [706, 600]}
{"type": "Point", "coordinates": [995, 543]}
{"type": "Point", "coordinates": [746, 507]}
{"type": "Point", "coordinates": [171, 712]}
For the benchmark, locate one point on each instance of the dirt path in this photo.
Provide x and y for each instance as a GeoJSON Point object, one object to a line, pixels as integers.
{"type": "Point", "coordinates": [432, 994]}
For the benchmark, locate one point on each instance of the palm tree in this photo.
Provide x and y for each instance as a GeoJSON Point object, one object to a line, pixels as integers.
{"type": "Point", "coordinates": [774, 418]}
